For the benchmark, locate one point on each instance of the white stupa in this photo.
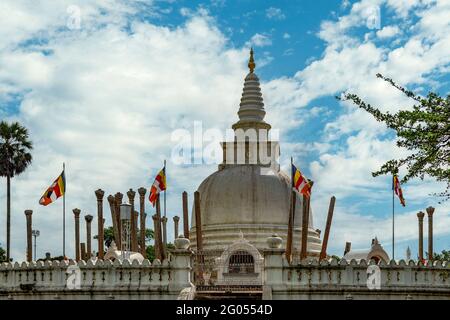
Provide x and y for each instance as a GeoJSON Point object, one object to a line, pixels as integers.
{"type": "Point", "coordinates": [251, 197]}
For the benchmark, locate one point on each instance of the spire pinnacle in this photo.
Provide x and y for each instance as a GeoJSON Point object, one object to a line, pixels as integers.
{"type": "Point", "coordinates": [251, 62]}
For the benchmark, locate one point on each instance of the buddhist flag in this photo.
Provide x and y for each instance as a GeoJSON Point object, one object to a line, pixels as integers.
{"type": "Point", "coordinates": [300, 183]}
{"type": "Point", "coordinates": [158, 185]}
{"type": "Point", "coordinates": [56, 190]}
{"type": "Point", "coordinates": [398, 190]}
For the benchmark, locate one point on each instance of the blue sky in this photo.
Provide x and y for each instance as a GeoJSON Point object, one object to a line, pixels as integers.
{"type": "Point", "coordinates": [118, 77]}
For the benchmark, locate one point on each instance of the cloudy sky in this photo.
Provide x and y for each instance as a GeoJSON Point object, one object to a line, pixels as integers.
{"type": "Point", "coordinates": [103, 84]}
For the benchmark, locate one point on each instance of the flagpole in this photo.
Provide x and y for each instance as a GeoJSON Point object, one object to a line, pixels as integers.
{"type": "Point", "coordinates": [64, 213]}
{"type": "Point", "coordinates": [393, 232]}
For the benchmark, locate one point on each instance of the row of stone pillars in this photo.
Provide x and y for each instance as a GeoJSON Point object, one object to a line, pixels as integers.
{"type": "Point", "coordinates": [159, 224]}
{"type": "Point", "coordinates": [137, 241]}
{"type": "Point", "coordinates": [420, 216]}
{"type": "Point", "coordinates": [84, 250]}
{"type": "Point", "coordinates": [81, 250]}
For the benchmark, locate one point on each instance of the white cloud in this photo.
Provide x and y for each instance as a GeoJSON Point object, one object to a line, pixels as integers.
{"type": "Point", "coordinates": [349, 64]}
{"type": "Point", "coordinates": [106, 102]}
{"type": "Point", "coordinates": [345, 4]}
{"type": "Point", "coordinates": [275, 13]}
{"type": "Point", "coordinates": [388, 32]}
{"type": "Point", "coordinates": [260, 40]}
{"type": "Point", "coordinates": [286, 35]}
{"type": "Point", "coordinates": [288, 52]}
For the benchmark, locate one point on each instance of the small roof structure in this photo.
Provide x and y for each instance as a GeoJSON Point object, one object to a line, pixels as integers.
{"type": "Point", "coordinates": [113, 254]}
{"type": "Point", "coordinates": [375, 252]}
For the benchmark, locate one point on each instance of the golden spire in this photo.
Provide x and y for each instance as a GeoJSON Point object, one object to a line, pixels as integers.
{"type": "Point", "coordinates": [251, 62]}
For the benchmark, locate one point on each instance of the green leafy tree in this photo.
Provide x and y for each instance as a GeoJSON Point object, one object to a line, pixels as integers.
{"type": "Point", "coordinates": [424, 130]}
{"type": "Point", "coordinates": [2, 255]}
{"type": "Point", "coordinates": [108, 235]}
{"type": "Point", "coordinates": [15, 157]}
{"type": "Point", "coordinates": [150, 250]}
{"type": "Point", "coordinates": [443, 256]}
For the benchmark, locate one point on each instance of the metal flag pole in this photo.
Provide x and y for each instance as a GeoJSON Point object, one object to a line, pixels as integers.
{"type": "Point", "coordinates": [64, 212]}
{"type": "Point", "coordinates": [393, 232]}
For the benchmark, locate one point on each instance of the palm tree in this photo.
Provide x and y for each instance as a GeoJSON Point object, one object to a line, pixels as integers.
{"type": "Point", "coordinates": [14, 159]}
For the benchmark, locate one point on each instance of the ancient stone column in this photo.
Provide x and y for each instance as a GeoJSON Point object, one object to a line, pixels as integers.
{"type": "Point", "coordinates": [185, 215]}
{"type": "Point", "coordinates": [198, 221]}
{"type": "Point", "coordinates": [83, 251]}
{"type": "Point", "coordinates": [88, 219]}
{"type": "Point", "coordinates": [420, 216]}
{"type": "Point", "coordinates": [162, 252]}
{"type": "Point", "coordinates": [28, 214]}
{"type": "Point", "coordinates": [323, 252]}
{"type": "Point", "coordinates": [305, 227]}
{"type": "Point", "coordinates": [176, 220]}
{"type": "Point", "coordinates": [101, 225]}
{"type": "Point", "coordinates": [430, 211]}
{"type": "Point", "coordinates": [117, 202]}
{"type": "Point", "coordinates": [142, 227]}
{"type": "Point", "coordinates": [76, 213]}
{"type": "Point", "coordinates": [134, 246]}
{"type": "Point", "coordinates": [112, 206]}
{"type": "Point", "coordinates": [156, 236]}
{"type": "Point", "coordinates": [164, 229]}
{"type": "Point", "coordinates": [348, 247]}
{"type": "Point", "coordinates": [290, 231]}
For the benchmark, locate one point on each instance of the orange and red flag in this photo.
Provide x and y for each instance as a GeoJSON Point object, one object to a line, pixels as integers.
{"type": "Point", "coordinates": [301, 184]}
{"type": "Point", "coordinates": [56, 190]}
{"type": "Point", "coordinates": [398, 190]}
{"type": "Point", "coordinates": [158, 185]}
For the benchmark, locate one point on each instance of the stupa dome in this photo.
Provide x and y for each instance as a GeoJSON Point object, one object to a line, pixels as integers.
{"type": "Point", "coordinates": [249, 198]}
{"type": "Point", "coordinates": [244, 199]}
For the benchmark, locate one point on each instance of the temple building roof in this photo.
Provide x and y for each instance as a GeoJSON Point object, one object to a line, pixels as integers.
{"type": "Point", "coordinates": [375, 252]}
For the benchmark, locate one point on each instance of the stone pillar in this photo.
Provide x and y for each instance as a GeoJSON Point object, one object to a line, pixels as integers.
{"type": "Point", "coordinates": [290, 231]}
{"type": "Point", "coordinates": [348, 247]}
{"type": "Point", "coordinates": [176, 220]}
{"type": "Point", "coordinates": [305, 227]}
{"type": "Point", "coordinates": [101, 225]}
{"type": "Point", "coordinates": [161, 247]}
{"type": "Point", "coordinates": [323, 252]}
{"type": "Point", "coordinates": [76, 213]}
{"type": "Point", "coordinates": [181, 266]}
{"type": "Point", "coordinates": [198, 221]}
{"type": "Point", "coordinates": [164, 229]}
{"type": "Point", "coordinates": [156, 236]}
{"type": "Point", "coordinates": [142, 227]}
{"type": "Point", "coordinates": [185, 215]}
{"type": "Point", "coordinates": [134, 247]}
{"type": "Point", "coordinates": [28, 214]}
{"type": "Point", "coordinates": [420, 216]}
{"type": "Point", "coordinates": [112, 206]}
{"type": "Point", "coordinates": [83, 251]}
{"type": "Point", "coordinates": [88, 219]}
{"type": "Point", "coordinates": [117, 202]}
{"type": "Point", "coordinates": [430, 211]}
{"type": "Point", "coordinates": [273, 264]}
